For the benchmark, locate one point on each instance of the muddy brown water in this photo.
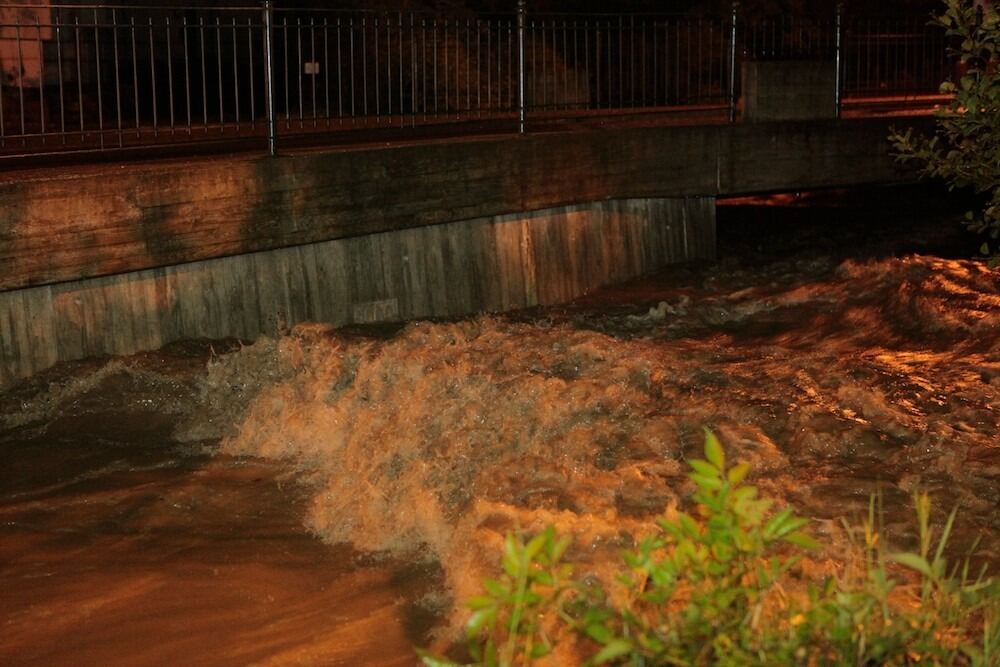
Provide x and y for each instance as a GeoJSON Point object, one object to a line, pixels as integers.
{"type": "Point", "coordinates": [324, 497]}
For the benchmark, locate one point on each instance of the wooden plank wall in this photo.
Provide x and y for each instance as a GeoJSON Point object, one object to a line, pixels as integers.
{"type": "Point", "coordinates": [488, 264]}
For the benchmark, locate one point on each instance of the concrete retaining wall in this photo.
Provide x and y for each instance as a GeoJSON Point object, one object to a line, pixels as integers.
{"type": "Point", "coordinates": [789, 90]}
{"type": "Point", "coordinates": [486, 264]}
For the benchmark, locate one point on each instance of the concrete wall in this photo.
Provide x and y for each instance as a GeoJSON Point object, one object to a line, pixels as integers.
{"type": "Point", "coordinates": [111, 259]}
{"type": "Point", "coordinates": [67, 224]}
{"type": "Point", "coordinates": [487, 264]}
{"type": "Point", "coordinates": [789, 90]}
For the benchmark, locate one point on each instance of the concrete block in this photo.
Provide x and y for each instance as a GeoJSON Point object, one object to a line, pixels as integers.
{"type": "Point", "coordinates": [789, 90]}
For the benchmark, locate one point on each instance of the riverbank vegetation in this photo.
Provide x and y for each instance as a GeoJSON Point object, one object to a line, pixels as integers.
{"type": "Point", "coordinates": [964, 150]}
{"type": "Point", "coordinates": [736, 581]}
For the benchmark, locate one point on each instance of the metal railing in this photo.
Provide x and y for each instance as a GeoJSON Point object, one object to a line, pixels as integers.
{"type": "Point", "coordinates": [95, 77]}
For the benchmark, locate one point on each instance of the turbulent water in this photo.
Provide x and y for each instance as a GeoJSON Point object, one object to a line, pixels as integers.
{"type": "Point", "coordinates": [836, 369]}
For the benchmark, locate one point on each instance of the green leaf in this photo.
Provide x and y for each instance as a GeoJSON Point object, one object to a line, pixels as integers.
{"type": "Point", "coordinates": [738, 473]}
{"type": "Point", "coordinates": [540, 651]}
{"type": "Point", "coordinates": [496, 589]}
{"type": "Point", "coordinates": [613, 649]}
{"type": "Point", "coordinates": [559, 548]}
{"type": "Point", "coordinates": [479, 620]}
{"type": "Point", "coordinates": [777, 522]}
{"type": "Point", "coordinates": [703, 467]}
{"type": "Point", "coordinates": [511, 555]}
{"type": "Point", "coordinates": [536, 544]}
{"type": "Point", "coordinates": [431, 660]}
{"type": "Point", "coordinates": [712, 483]}
{"type": "Point", "coordinates": [713, 450]}
{"type": "Point", "coordinates": [792, 524]}
{"type": "Point", "coordinates": [801, 539]}
{"type": "Point", "coordinates": [914, 562]}
{"type": "Point", "coordinates": [599, 632]}
{"type": "Point", "coordinates": [480, 602]}
{"type": "Point", "coordinates": [544, 578]}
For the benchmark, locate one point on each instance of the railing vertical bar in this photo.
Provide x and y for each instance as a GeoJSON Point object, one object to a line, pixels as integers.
{"type": "Point", "coordinates": [271, 119]}
{"type": "Point", "coordinates": [351, 70]}
{"type": "Point", "coordinates": [468, 69]}
{"type": "Point", "coordinates": [59, 65]}
{"type": "Point", "coordinates": [423, 66]}
{"type": "Point", "coordinates": [413, 71]}
{"type": "Point", "coordinates": [218, 74]}
{"type": "Point", "coordinates": [677, 61]}
{"type": "Point", "coordinates": [312, 58]}
{"type": "Point", "coordinates": [521, 24]}
{"type": "Point", "coordinates": [364, 69]}
{"type": "Point", "coordinates": [399, 78]}
{"type": "Point", "coordinates": [702, 58]}
{"type": "Point", "coordinates": [399, 72]}
{"type": "Point", "coordinates": [299, 67]}
{"type": "Point", "coordinates": [152, 79]}
{"type": "Point", "coordinates": [287, 74]}
{"type": "Point", "coordinates": [565, 69]}
{"type": "Point", "coordinates": [576, 66]}
{"type": "Point", "coordinates": [20, 74]}
{"type": "Point", "coordinates": [204, 72]}
{"type": "Point", "coordinates": [631, 60]}
{"type": "Point", "coordinates": [534, 60]}
{"type": "Point", "coordinates": [79, 77]}
{"type": "Point", "coordinates": [388, 69]}
{"type": "Point", "coordinates": [489, 64]}
{"type": "Point", "coordinates": [479, 68]}
{"type": "Point", "coordinates": [340, 75]}
{"type": "Point", "coordinates": [375, 73]}
{"type": "Point", "coordinates": [170, 73]}
{"type": "Point", "coordinates": [3, 124]}
{"type": "Point", "coordinates": [553, 78]}
{"type": "Point", "coordinates": [544, 77]}
{"type": "Point", "coordinates": [118, 89]}
{"type": "Point", "coordinates": [100, 96]}
{"type": "Point", "coordinates": [435, 61]}
{"type": "Point", "coordinates": [597, 58]}
{"type": "Point", "coordinates": [250, 74]}
{"type": "Point", "coordinates": [656, 64]}
{"type": "Point", "coordinates": [511, 71]}
{"type": "Point", "coordinates": [586, 57]}
{"type": "Point", "coordinates": [135, 75]}
{"type": "Point", "coordinates": [236, 77]}
{"type": "Point", "coordinates": [41, 75]}
{"type": "Point", "coordinates": [733, 19]}
{"type": "Point", "coordinates": [838, 28]}
{"type": "Point", "coordinates": [447, 70]}
{"type": "Point", "coordinates": [326, 69]}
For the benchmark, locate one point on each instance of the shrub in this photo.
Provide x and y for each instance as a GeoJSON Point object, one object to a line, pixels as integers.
{"type": "Point", "coordinates": [723, 586]}
{"type": "Point", "coordinates": [965, 148]}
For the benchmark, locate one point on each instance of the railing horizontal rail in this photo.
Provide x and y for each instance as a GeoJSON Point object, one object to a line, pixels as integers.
{"type": "Point", "coordinates": [86, 77]}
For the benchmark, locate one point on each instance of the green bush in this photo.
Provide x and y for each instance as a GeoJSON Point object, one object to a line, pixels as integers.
{"type": "Point", "coordinates": [723, 586]}
{"type": "Point", "coordinates": [965, 148]}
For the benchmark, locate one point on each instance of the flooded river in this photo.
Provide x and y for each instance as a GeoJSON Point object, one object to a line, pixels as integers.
{"type": "Point", "coordinates": [324, 497]}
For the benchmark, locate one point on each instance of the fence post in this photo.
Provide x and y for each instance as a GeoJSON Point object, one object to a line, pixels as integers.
{"type": "Point", "coordinates": [522, 11]}
{"type": "Point", "coordinates": [732, 62]}
{"type": "Point", "coordinates": [272, 120]}
{"type": "Point", "coordinates": [838, 56]}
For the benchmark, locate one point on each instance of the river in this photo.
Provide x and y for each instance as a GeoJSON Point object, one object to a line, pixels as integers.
{"type": "Point", "coordinates": [324, 497]}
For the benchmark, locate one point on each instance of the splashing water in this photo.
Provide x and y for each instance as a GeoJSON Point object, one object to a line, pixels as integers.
{"type": "Point", "coordinates": [836, 378]}
{"type": "Point", "coordinates": [834, 381]}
